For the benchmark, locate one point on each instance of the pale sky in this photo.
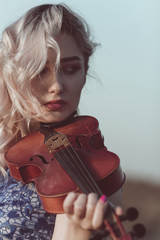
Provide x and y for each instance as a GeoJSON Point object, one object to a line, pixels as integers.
{"type": "Point", "coordinates": [125, 93]}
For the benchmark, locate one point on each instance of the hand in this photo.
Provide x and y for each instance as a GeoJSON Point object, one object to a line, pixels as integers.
{"type": "Point", "coordinates": [85, 211]}
{"type": "Point", "coordinates": [83, 214]}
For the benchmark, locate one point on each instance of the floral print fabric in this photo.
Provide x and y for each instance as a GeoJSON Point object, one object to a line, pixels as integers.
{"type": "Point", "coordinates": [22, 216]}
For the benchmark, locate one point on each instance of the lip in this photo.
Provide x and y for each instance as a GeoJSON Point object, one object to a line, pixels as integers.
{"type": "Point", "coordinates": [55, 105]}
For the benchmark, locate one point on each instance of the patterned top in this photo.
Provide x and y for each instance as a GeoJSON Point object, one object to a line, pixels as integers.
{"type": "Point", "coordinates": [21, 214]}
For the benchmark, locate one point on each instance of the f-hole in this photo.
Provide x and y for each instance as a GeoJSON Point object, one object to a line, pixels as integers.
{"type": "Point", "coordinates": [40, 157]}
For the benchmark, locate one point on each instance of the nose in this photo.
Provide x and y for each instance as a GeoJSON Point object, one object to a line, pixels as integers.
{"type": "Point", "coordinates": [56, 85]}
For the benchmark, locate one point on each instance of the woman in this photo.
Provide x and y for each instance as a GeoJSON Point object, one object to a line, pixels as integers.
{"type": "Point", "coordinates": [43, 66]}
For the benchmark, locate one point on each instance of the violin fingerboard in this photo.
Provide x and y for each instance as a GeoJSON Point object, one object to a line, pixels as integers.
{"type": "Point", "coordinates": [73, 165]}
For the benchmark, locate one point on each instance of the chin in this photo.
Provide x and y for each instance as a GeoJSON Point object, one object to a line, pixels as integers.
{"type": "Point", "coordinates": [56, 117]}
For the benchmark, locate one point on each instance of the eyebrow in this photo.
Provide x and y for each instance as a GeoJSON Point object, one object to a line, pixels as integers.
{"type": "Point", "coordinates": [67, 59]}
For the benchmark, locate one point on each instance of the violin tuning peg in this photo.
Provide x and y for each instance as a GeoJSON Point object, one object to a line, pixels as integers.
{"type": "Point", "coordinates": [139, 230]}
{"type": "Point", "coordinates": [131, 214]}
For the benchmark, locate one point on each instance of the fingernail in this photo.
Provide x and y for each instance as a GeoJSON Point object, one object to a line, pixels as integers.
{"type": "Point", "coordinates": [103, 198]}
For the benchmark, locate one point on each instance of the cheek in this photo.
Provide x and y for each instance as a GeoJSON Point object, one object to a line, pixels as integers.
{"type": "Point", "coordinates": [76, 95]}
{"type": "Point", "coordinates": [77, 88]}
{"type": "Point", "coordinates": [80, 81]}
{"type": "Point", "coordinates": [38, 87]}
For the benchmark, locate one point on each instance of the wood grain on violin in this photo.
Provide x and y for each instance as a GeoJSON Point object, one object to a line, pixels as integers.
{"type": "Point", "coordinates": [36, 159]}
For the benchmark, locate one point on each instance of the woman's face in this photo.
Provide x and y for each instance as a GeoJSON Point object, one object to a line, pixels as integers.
{"type": "Point", "coordinates": [59, 91]}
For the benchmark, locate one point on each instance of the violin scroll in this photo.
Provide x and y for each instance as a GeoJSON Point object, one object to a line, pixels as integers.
{"type": "Point", "coordinates": [114, 228]}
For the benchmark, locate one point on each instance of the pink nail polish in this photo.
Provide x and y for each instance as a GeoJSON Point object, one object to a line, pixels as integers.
{"type": "Point", "coordinates": [103, 198]}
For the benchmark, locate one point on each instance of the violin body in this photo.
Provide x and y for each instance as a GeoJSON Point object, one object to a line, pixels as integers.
{"type": "Point", "coordinates": [29, 160]}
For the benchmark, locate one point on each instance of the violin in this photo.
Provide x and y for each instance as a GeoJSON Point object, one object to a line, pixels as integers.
{"type": "Point", "coordinates": [66, 158]}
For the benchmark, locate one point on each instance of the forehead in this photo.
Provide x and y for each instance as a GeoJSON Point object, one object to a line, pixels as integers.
{"type": "Point", "coordinates": [68, 46]}
{"type": "Point", "coordinates": [69, 50]}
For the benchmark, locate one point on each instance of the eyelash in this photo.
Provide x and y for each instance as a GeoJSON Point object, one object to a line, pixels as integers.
{"type": "Point", "coordinates": [70, 70]}
{"type": "Point", "coordinates": [67, 70]}
{"type": "Point", "coordinates": [44, 71]}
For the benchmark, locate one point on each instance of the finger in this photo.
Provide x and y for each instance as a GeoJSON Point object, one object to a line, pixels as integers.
{"type": "Point", "coordinates": [69, 202]}
{"type": "Point", "coordinates": [99, 212]}
{"type": "Point", "coordinates": [91, 203]}
{"type": "Point", "coordinates": [80, 205]}
{"type": "Point", "coordinates": [118, 211]}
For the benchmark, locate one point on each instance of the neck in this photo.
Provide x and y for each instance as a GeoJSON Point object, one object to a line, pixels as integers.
{"type": "Point", "coordinates": [59, 124]}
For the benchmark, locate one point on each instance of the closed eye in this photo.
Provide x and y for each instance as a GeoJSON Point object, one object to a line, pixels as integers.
{"type": "Point", "coordinates": [44, 72]}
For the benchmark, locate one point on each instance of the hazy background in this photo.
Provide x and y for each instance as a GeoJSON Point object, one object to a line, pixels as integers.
{"type": "Point", "coordinates": [125, 96]}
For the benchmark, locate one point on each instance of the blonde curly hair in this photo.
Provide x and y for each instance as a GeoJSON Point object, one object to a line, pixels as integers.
{"type": "Point", "coordinates": [23, 55]}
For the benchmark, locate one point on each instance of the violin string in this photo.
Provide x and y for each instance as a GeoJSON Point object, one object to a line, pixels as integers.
{"type": "Point", "coordinates": [84, 177]}
{"type": "Point", "coordinates": [74, 166]}
{"type": "Point", "coordinates": [67, 165]}
{"type": "Point", "coordinates": [79, 171]}
{"type": "Point", "coordinates": [86, 173]}
{"type": "Point", "coordinates": [71, 170]}
{"type": "Point", "coordinates": [81, 178]}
